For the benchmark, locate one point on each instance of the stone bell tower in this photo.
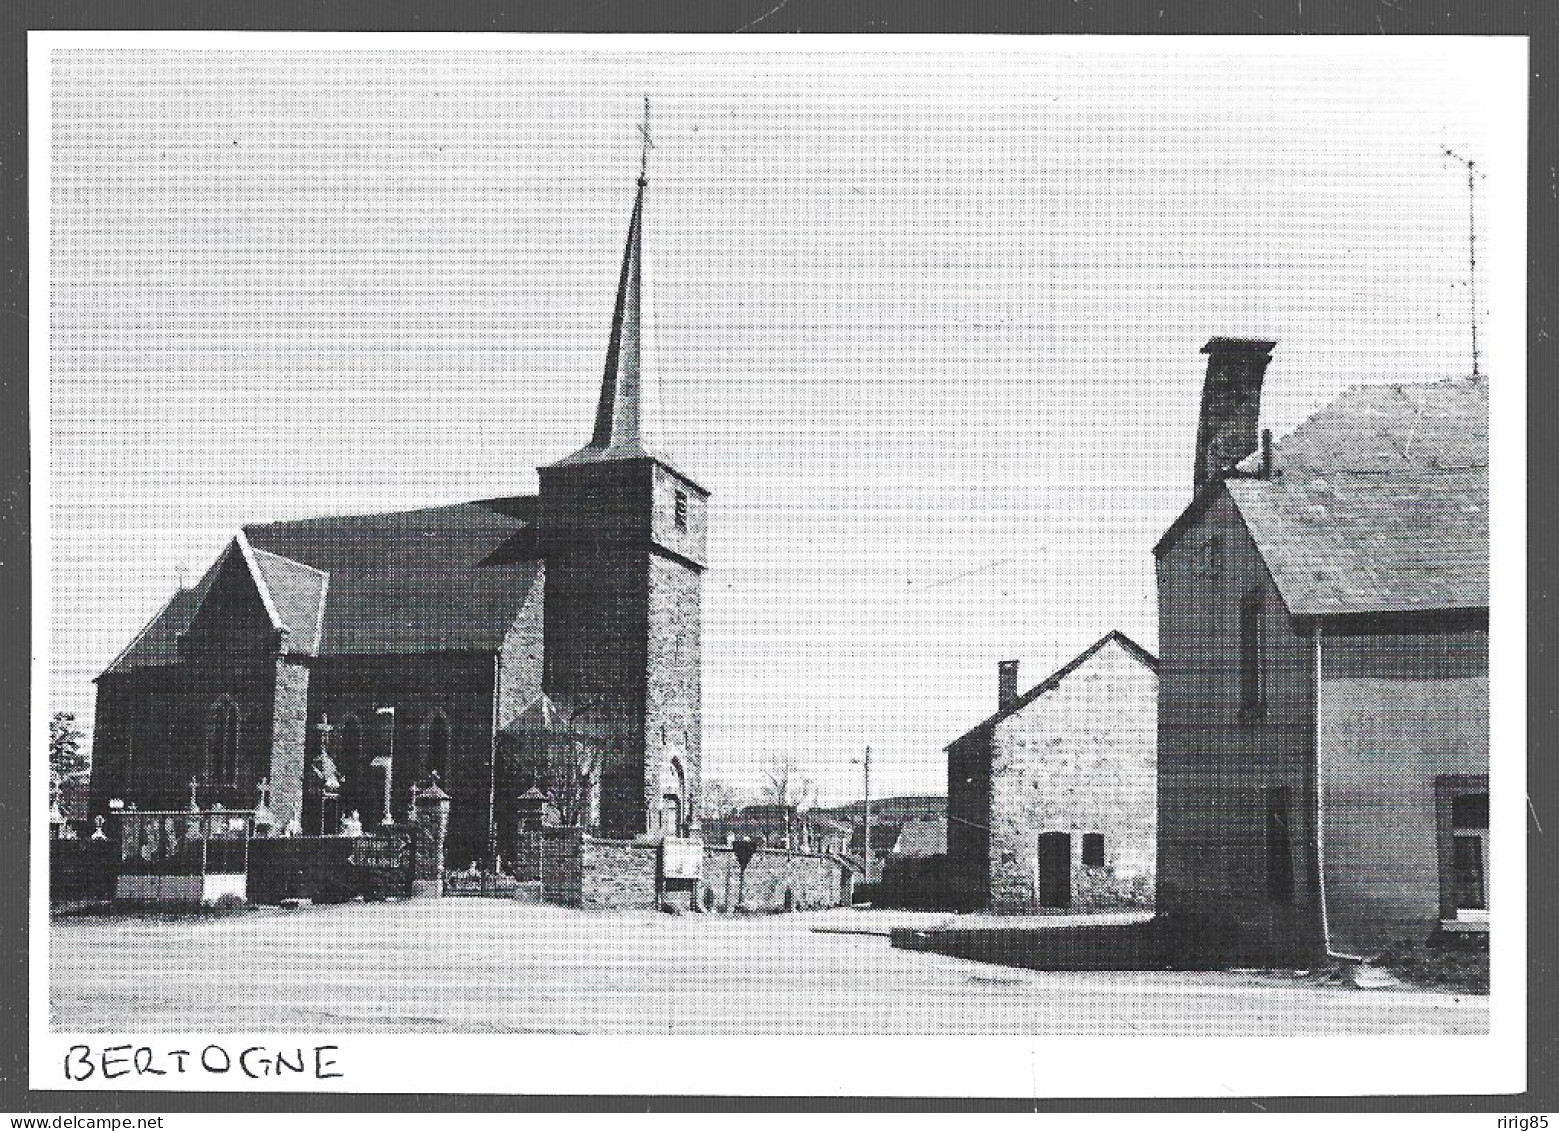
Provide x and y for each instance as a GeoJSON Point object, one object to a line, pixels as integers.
{"type": "Point", "coordinates": [622, 530]}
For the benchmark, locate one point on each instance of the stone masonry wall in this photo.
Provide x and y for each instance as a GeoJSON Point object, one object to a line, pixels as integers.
{"type": "Point", "coordinates": [289, 736]}
{"type": "Point", "coordinates": [810, 881]}
{"type": "Point", "coordinates": [1079, 759]}
{"type": "Point", "coordinates": [562, 853]}
{"type": "Point", "coordinates": [1217, 761]}
{"type": "Point", "coordinates": [672, 722]}
{"type": "Point", "coordinates": [585, 871]}
{"type": "Point", "coordinates": [618, 873]}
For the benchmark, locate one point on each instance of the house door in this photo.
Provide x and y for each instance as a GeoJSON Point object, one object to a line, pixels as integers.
{"type": "Point", "coordinates": [1055, 870]}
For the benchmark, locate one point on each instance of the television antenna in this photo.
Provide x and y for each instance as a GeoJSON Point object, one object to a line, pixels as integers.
{"type": "Point", "coordinates": [1472, 244]}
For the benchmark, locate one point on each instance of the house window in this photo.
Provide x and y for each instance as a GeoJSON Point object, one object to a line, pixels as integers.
{"type": "Point", "coordinates": [1280, 858]}
{"type": "Point", "coordinates": [1252, 653]}
{"type": "Point", "coordinates": [222, 742]}
{"type": "Point", "coordinates": [1463, 803]}
{"type": "Point", "coordinates": [1212, 557]}
{"type": "Point", "coordinates": [1093, 850]}
{"type": "Point", "coordinates": [681, 510]}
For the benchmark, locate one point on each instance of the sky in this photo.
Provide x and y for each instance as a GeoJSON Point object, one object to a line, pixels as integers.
{"type": "Point", "coordinates": [924, 319]}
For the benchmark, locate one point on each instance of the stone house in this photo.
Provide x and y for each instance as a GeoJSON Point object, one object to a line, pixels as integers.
{"type": "Point", "coordinates": [406, 643]}
{"type": "Point", "coordinates": [1323, 669]}
{"type": "Point", "coordinates": [1051, 800]}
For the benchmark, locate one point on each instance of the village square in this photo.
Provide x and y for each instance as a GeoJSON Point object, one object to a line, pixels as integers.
{"type": "Point", "coordinates": [477, 730]}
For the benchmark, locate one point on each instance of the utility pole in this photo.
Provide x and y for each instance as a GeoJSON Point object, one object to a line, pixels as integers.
{"type": "Point", "coordinates": [866, 813]}
{"type": "Point", "coordinates": [1472, 246]}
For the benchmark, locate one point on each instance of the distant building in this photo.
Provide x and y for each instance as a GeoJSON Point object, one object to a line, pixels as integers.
{"type": "Point", "coordinates": [921, 838]}
{"type": "Point", "coordinates": [1323, 673]}
{"type": "Point", "coordinates": [781, 826]}
{"type": "Point", "coordinates": [1050, 801]}
{"type": "Point", "coordinates": [889, 816]}
{"type": "Point", "coordinates": [410, 643]}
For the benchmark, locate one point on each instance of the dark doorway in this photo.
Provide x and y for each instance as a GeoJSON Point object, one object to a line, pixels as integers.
{"type": "Point", "coordinates": [1055, 869]}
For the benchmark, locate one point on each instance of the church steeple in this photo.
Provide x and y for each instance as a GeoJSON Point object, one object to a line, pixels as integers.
{"type": "Point", "coordinates": [625, 534]}
{"type": "Point", "coordinates": [625, 419]}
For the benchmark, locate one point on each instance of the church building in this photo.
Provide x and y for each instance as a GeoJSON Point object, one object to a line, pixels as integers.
{"type": "Point", "coordinates": [526, 646]}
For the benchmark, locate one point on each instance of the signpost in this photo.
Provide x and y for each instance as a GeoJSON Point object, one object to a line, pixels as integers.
{"type": "Point", "coordinates": [384, 853]}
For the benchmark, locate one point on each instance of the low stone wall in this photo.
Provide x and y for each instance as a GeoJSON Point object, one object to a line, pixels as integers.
{"type": "Point", "coordinates": [776, 880]}
{"type": "Point", "coordinates": [82, 870]}
{"type": "Point", "coordinates": [584, 871]}
{"type": "Point", "coordinates": [560, 866]}
{"type": "Point", "coordinates": [619, 873]}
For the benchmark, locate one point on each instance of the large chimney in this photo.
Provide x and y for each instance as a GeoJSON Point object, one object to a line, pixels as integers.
{"type": "Point", "coordinates": [1231, 405]}
{"type": "Point", "coordinates": [1006, 683]}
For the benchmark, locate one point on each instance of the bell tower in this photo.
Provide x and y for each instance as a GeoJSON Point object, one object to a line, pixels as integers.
{"type": "Point", "coordinates": [623, 533]}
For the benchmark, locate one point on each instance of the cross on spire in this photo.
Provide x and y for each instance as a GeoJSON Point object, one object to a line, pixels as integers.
{"type": "Point", "coordinates": [647, 144]}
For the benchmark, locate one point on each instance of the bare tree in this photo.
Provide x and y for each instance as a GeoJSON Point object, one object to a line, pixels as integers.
{"type": "Point", "coordinates": [785, 784]}
{"type": "Point", "coordinates": [718, 800]}
{"type": "Point", "coordinates": [572, 778]}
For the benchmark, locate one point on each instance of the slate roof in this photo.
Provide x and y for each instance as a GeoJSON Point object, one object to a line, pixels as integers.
{"type": "Point", "coordinates": [922, 838]}
{"type": "Point", "coordinates": [448, 578]}
{"type": "Point", "coordinates": [1379, 503]}
{"type": "Point", "coordinates": [297, 594]}
{"type": "Point", "coordinates": [1052, 681]}
{"type": "Point", "coordinates": [439, 579]}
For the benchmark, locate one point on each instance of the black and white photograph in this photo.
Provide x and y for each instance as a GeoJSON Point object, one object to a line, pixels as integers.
{"type": "Point", "coordinates": [698, 554]}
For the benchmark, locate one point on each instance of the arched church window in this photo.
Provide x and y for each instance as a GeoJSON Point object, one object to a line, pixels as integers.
{"type": "Point", "coordinates": [358, 790]}
{"type": "Point", "coordinates": [222, 742]}
{"type": "Point", "coordinates": [435, 745]}
{"type": "Point", "coordinates": [351, 748]}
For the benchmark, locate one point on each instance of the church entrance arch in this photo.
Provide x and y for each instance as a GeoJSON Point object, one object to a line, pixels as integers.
{"type": "Point", "coordinates": [673, 802]}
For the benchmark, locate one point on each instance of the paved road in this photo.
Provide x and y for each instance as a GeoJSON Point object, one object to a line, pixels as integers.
{"type": "Point", "coordinates": [483, 966]}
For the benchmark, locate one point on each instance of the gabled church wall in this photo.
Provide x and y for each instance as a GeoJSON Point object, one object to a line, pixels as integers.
{"type": "Point", "coordinates": [153, 727]}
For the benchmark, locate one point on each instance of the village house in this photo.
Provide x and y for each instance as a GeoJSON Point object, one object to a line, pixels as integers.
{"type": "Point", "coordinates": [547, 640]}
{"type": "Point", "coordinates": [1051, 800]}
{"type": "Point", "coordinates": [1323, 669]}
{"type": "Point", "coordinates": [914, 875]}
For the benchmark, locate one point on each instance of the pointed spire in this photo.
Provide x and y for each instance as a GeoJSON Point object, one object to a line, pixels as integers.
{"type": "Point", "coordinates": [625, 417]}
